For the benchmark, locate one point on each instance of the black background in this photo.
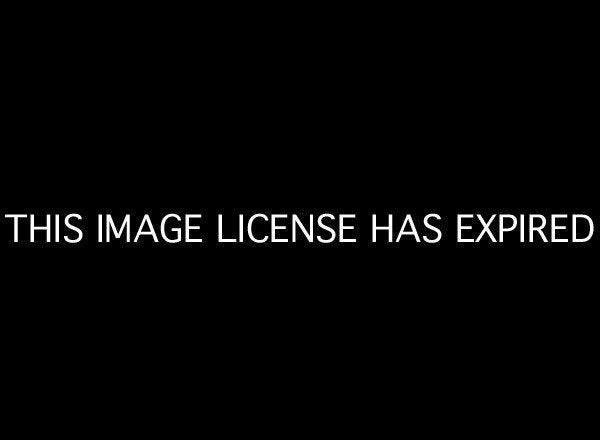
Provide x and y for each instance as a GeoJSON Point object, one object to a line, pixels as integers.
{"type": "Point", "coordinates": [386, 112]}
